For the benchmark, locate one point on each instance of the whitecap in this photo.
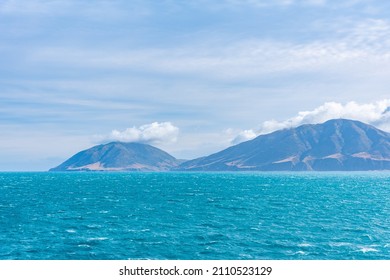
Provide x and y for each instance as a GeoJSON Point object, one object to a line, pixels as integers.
{"type": "Point", "coordinates": [246, 256]}
{"type": "Point", "coordinates": [300, 253]}
{"type": "Point", "coordinates": [93, 226]}
{"type": "Point", "coordinates": [367, 249]}
{"type": "Point", "coordinates": [71, 230]}
{"type": "Point", "coordinates": [305, 245]}
{"type": "Point", "coordinates": [340, 244]}
{"type": "Point", "coordinates": [138, 230]}
{"type": "Point", "coordinates": [97, 239]}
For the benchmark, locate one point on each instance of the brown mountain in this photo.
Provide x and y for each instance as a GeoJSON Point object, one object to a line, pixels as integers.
{"type": "Point", "coordinates": [335, 145]}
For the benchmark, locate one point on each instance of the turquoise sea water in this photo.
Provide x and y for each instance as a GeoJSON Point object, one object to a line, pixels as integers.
{"type": "Point", "coordinates": [195, 215]}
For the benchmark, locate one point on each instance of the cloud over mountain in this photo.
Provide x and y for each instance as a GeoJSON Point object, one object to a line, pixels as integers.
{"type": "Point", "coordinates": [244, 135]}
{"type": "Point", "coordinates": [376, 113]}
{"type": "Point", "coordinates": [153, 133]}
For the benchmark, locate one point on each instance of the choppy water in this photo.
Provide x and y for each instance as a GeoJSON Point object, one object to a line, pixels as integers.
{"type": "Point", "coordinates": [195, 215]}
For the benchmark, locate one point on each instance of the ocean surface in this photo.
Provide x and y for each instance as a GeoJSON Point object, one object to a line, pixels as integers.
{"type": "Point", "coordinates": [104, 216]}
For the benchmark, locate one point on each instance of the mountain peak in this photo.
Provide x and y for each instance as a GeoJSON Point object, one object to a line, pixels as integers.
{"type": "Point", "coordinates": [338, 144]}
{"type": "Point", "coordinates": [119, 156]}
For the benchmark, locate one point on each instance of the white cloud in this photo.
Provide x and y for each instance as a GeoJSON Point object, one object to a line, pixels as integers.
{"type": "Point", "coordinates": [352, 51]}
{"type": "Point", "coordinates": [243, 136]}
{"type": "Point", "coordinates": [377, 114]}
{"type": "Point", "coordinates": [267, 3]}
{"type": "Point", "coordinates": [316, 2]}
{"type": "Point", "coordinates": [283, 3]}
{"type": "Point", "coordinates": [154, 133]}
{"type": "Point", "coordinates": [98, 10]}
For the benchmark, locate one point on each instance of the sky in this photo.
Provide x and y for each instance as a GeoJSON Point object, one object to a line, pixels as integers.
{"type": "Point", "coordinates": [189, 76]}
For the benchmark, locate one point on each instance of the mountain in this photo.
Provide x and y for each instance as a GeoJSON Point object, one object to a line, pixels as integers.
{"type": "Point", "coordinates": [335, 145]}
{"type": "Point", "coordinates": [117, 156]}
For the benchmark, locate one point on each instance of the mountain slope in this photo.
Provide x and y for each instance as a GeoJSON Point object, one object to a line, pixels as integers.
{"type": "Point", "coordinates": [117, 156]}
{"type": "Point", "coordinates": [334, 145]}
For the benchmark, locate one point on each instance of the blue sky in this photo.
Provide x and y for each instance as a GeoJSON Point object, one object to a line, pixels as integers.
{"type": "Point", "coordinates": [191, 77]}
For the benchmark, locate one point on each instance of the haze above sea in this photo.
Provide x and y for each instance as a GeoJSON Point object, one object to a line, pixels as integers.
{"type": "Point", "coordinates": [101, 215]}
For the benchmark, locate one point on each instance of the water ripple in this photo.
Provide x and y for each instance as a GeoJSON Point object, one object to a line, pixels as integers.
{"type": "Point", "coordinates": [195, 215]}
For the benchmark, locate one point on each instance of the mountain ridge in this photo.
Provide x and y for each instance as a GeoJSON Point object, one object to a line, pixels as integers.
{"type": "Point", "coordinates": [335, 145]}
{"type": "Point", "coordinates": [119, 156]}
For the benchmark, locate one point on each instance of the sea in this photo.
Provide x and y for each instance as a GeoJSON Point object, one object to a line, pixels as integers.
{"type": "Point", "coordinates": [195, 216]}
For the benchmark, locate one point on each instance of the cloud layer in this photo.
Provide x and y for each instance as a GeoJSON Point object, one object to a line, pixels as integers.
{"type": "Point", "coordinates": [154, 133]}
{"type": "Point", "coordinates": [353, 50]}
{"type": "Point", "coordinates": [377, 114]}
